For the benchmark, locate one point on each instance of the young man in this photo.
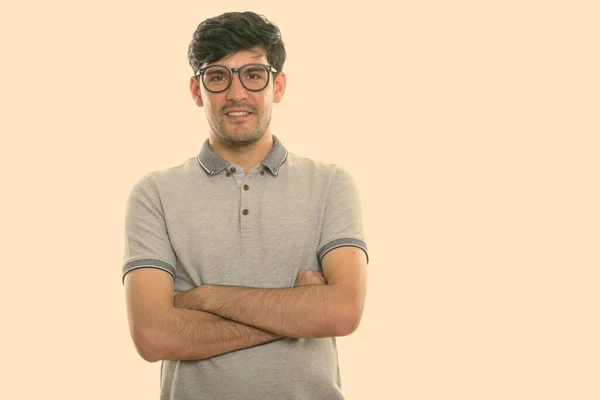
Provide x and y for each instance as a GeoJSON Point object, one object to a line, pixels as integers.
{"type": "Point", "coordinates": [244, 263]}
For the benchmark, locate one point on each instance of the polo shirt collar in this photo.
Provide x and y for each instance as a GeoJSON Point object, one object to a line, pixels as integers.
{"type": "Point", "coordinates": [213, 164]}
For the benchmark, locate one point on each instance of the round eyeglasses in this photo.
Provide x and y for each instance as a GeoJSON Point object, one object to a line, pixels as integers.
{"type": "Point", "coordinates": [217, 78]}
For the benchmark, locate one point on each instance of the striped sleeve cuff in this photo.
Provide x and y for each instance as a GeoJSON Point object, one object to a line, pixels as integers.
{"type": "Point", "coordinates": [147, 263]}
{"type": "Point", "coordinates": [334, 244]}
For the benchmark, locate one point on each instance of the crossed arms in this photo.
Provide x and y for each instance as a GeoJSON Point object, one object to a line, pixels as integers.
{"type": "Point", "coordinates": [210, 320]}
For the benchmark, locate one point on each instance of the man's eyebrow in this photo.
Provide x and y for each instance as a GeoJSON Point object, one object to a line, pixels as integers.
{"type": "Point", "coordinates": [215, 71]}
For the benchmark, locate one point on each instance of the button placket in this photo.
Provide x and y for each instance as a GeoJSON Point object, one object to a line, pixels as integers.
{"type": "Point", "coordinates": [244, 196]}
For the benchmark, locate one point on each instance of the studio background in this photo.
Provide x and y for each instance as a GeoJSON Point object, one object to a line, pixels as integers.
{"type": "Point", "coordinates": [471, 129]}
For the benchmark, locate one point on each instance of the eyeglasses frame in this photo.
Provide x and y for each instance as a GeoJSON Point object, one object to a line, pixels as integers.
{"type": "Point", "coordinates": [202, 70]}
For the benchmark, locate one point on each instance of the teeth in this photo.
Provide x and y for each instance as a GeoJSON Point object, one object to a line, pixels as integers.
{"type": "Point", "coordinates": [237, 114]}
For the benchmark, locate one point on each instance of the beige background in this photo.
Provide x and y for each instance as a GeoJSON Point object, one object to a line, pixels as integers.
{"type": "Point", "coordinates": [470, 127]}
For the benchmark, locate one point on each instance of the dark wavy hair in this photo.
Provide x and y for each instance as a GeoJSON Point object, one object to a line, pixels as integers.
{"type": "Point", "coordinates": [227, 33]}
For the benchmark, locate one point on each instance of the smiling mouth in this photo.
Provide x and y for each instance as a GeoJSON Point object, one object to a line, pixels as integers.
{"type": "Point", "coordinates": [237, 113]}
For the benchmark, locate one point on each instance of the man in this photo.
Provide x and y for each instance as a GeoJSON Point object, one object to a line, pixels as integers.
{"type": "Point", "coordinates": [244, 263]}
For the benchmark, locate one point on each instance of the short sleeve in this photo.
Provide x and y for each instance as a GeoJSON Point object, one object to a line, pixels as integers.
{"type": "Point", "coordinates": [147, 243]}
{"type": "Point", "coordinates": [342, 221]}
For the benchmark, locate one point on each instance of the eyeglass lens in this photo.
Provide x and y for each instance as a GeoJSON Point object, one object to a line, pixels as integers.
{"type": "Point", "coordinates": [253, 77]}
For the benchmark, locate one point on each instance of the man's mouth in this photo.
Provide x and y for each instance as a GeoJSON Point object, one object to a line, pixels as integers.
{"type": "Point", "coordinates": [239, 111]}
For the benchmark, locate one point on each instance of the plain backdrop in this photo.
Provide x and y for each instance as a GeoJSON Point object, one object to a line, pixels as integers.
{"type": "Point", "coordinates": [470, 127]}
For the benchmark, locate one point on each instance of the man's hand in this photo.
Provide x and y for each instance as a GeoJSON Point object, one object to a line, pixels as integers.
{"type": "Point", "coordinates": [304, 278]}
{"type": "Point", "coordinates": [178, 300]}
{"type": "Point", "coordinates": [188, 299]}
{"type": "Point", "coordinates": [307, 277]}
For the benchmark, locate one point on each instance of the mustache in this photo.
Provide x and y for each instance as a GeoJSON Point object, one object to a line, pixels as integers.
{"type": "Point", "coordinates": [248, 107]}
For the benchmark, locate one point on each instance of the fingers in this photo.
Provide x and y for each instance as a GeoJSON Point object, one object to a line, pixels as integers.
{"type": "Point", "coordinates": [309, 277]}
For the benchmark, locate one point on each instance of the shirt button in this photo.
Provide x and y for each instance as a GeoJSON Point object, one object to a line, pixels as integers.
{"type": "Point", "coordinates": [232, 170]}
{"type": "Point", "coordinates": [227, 174]}
{"type": "Point", "coordinates": [245, 212]}
{"type": "Point", "coordinates": [246, 187]}
{"type": "Point", "coordinates": [262, 172]}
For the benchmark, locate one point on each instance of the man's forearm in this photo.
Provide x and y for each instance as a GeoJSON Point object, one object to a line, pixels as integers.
{"type": "Point", "coordinates": [310, 311]}
{"type": "Point", "coordinates": [180, 334]}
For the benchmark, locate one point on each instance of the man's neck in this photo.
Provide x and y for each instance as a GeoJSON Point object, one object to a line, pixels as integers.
{"type": "Point", "coordinates": [246, 157]}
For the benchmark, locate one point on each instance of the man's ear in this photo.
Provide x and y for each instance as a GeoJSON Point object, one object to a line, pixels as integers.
{"type": "Point", "coordinates": [278, 87]}
{"type": "Point", "coordinates": [195, 91]}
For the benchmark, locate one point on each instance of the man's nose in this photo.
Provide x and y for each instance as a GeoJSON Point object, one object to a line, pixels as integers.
{"type": "Point", "coordinates": [236, 91]}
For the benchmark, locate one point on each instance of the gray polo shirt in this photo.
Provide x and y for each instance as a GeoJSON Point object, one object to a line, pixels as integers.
{"type": "Point", "coordinates": [195, 222]}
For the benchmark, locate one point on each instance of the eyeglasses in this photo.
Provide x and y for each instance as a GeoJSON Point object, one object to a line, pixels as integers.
{"type": "Point", "coordinates": [217, 78]}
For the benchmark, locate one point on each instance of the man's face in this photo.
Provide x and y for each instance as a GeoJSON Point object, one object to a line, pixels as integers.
{"type": "Point", "coordinates": [223, 109]}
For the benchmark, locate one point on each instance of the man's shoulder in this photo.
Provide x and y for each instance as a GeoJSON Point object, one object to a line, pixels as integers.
{"type": "Point", "coordinates": [183, 170]}
{"type": "Point", "coordinates": [326, 173]}
{"type": "Point", "coordinates": [302, 164]}
{"type": "Point", "coordinates": [170, 177]}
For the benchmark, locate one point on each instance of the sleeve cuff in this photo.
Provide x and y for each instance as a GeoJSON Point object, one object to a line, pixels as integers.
{"type": "Point", "coordinates": [334, 244]}
{"type": "Point", "coordinates": [147, 263]}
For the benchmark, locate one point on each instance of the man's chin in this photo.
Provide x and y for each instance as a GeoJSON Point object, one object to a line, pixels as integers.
{"type": "Point", "coordinates": [241, 139]}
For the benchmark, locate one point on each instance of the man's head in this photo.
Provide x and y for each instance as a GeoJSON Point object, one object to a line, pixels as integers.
{"type": "Point", "coordinates": [238, 111]}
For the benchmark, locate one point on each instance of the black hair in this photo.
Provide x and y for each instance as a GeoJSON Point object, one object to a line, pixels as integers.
{"type": "Point", "coordinates": [228, 33]}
